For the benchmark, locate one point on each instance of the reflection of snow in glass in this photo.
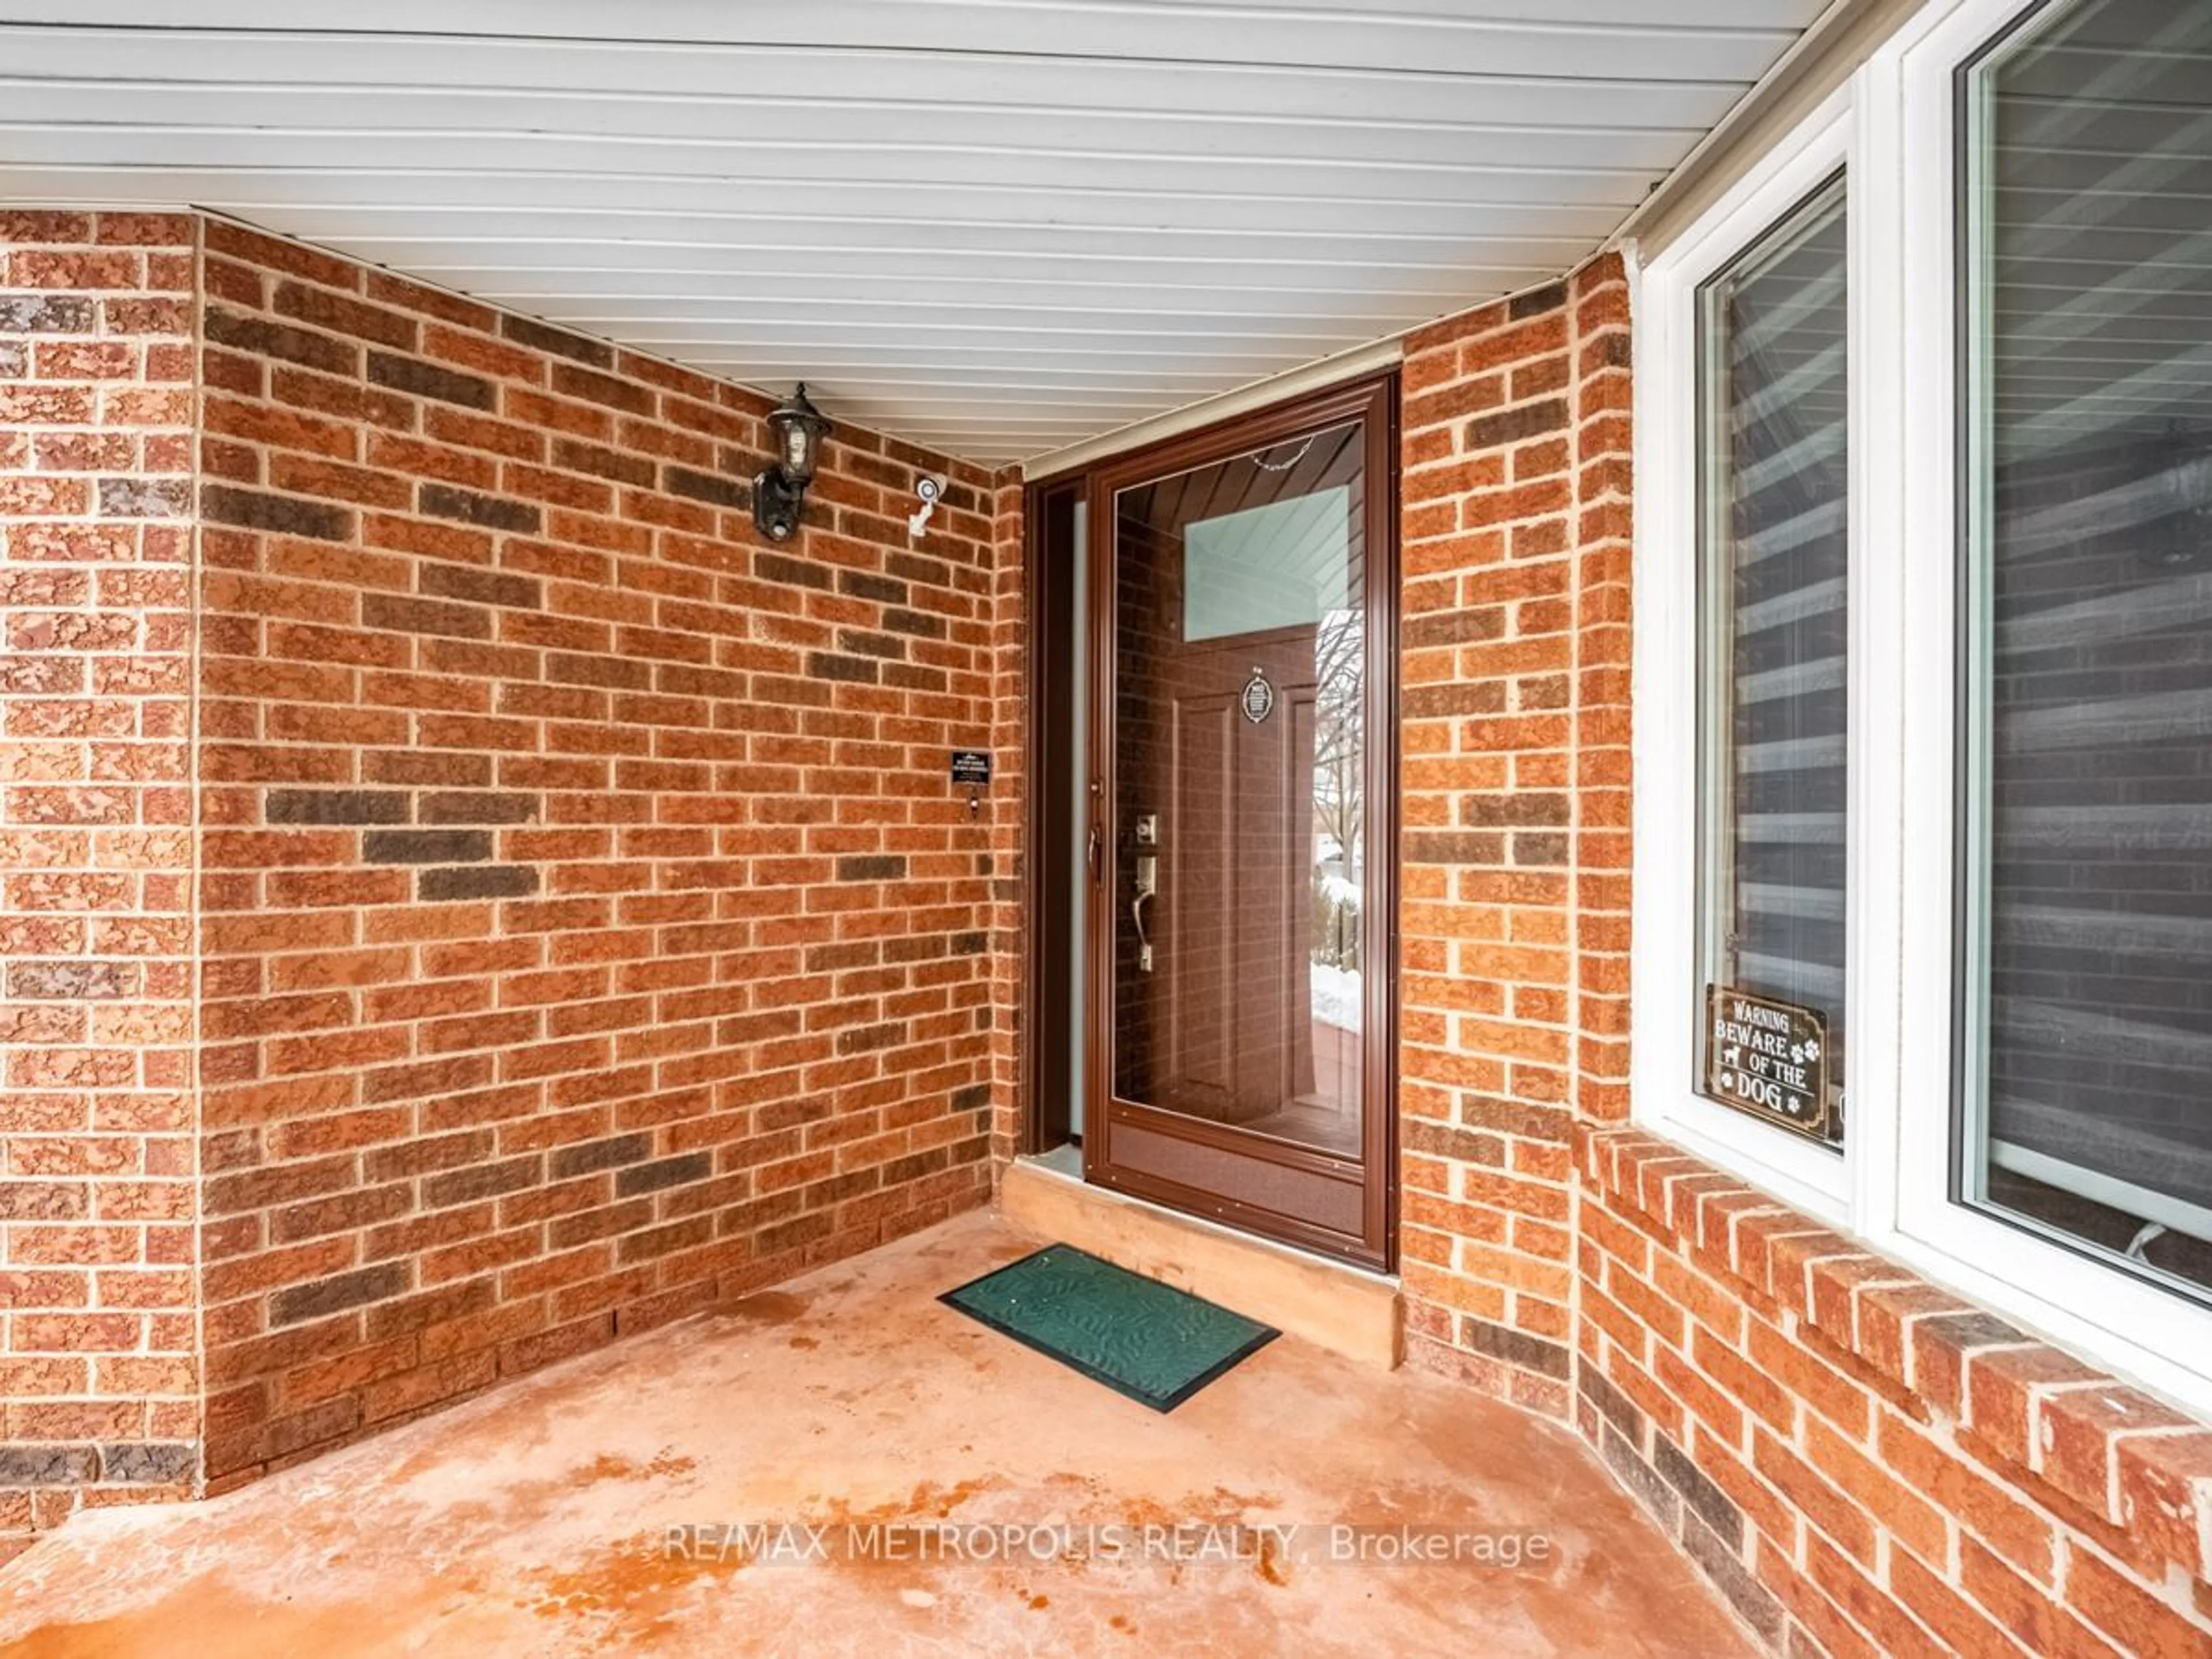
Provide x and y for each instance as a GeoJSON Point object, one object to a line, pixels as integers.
{"type": "Point", "coordinates": [1336, 996]}
{"type": "Point", "coordinates": [1338, 828]}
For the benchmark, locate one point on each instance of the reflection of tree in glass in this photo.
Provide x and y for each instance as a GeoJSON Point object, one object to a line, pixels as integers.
{"type": "Point", "coordinates": [1339, 799]}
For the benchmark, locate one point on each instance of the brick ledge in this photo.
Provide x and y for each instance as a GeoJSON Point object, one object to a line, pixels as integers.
{"type": "Point", "coordinates": [2103, 1456]}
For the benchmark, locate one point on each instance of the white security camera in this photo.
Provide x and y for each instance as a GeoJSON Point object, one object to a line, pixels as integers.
{"type": "Point", "coordinates": [931, 489]}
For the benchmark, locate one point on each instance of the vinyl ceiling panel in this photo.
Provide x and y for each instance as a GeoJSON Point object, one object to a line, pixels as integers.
{"type": "Point", "coordinates": [998, 226]}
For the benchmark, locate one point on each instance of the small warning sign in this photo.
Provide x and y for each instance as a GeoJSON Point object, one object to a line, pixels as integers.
{"type": "Point", "coordinates": [1768, 1058]}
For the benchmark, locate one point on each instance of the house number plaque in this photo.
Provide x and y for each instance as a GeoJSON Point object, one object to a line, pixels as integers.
{"type": "Point", "coordinates": [1767, 1058]}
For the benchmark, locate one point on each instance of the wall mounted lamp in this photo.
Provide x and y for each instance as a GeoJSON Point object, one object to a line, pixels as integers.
{"type": "Point", "coordinates": [779, 491]}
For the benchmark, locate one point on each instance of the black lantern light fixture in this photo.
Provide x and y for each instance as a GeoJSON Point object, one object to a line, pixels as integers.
{"type": "Point", "coordinates": [781, 490]}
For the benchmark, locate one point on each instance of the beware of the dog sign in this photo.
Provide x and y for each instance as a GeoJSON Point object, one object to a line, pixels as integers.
{"type": "Point", "coordinates": [1768, 1058]}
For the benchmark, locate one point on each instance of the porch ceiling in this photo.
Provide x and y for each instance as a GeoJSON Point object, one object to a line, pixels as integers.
{"type": "Point", "coordinates": [996, 227]}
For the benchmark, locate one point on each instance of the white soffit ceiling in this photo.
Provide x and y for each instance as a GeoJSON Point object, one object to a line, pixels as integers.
{"type": "Point", "coordinates": [994, 227]}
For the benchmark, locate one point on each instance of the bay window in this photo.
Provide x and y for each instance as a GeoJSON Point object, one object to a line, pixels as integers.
{"type": "Point", "coordinates": [1923, 740]}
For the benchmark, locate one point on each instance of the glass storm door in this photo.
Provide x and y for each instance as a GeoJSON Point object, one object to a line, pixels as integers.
{"type": "Point", "coordinates": [1241, 661]}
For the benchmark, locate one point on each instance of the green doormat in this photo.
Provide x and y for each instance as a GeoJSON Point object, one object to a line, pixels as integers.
{"type": "Point", "coordinates": [1156, 1344]}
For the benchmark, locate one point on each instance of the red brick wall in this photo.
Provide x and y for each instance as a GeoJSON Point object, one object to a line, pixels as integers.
{"type": "Point", "coordinates": [587, 926]}
{"type": "Point", "coordinates": [1514, 914]}
{"type": "Point", "coordinates": [590, 929]}
{"type": "Point", "coordinates": [98, 1370]}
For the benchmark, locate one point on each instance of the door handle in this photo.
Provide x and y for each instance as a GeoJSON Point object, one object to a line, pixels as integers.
{"type": "Point", "coordinates": [1148, 884]}
{"type": "Point", "coordinates": [1090, 845]}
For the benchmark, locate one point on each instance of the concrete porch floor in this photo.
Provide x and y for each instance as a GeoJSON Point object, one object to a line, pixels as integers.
{"type": "Point", "coordinates": [536, 1519]}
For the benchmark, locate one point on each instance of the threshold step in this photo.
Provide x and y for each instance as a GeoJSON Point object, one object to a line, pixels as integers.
{"type": "Point", "coordinates": [1329, 1303]}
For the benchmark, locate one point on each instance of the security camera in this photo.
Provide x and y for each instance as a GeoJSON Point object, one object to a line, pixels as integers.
{"type": "Point", "coordinates": [931, 489]}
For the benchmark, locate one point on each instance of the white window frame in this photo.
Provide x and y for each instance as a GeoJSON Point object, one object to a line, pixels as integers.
{"type": "Point", "coordinates": [1666, 1001]}
{"type": "Point", "coordinates": [1893, 130]}
{"type": "Point", "coordinates": [2123, 1321]}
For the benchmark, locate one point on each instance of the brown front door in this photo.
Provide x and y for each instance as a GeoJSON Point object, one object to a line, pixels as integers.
{"type": "Point", "coordinates": [1209, 1029]}
{"type": "Point", "coordinates": [1239, 931]}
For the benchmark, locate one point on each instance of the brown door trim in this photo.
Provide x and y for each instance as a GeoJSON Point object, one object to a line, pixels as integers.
{"type": "Point", "coordinates": [1046, 1036]}
{"type": "Point", "coordinates": [1373, 399]}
